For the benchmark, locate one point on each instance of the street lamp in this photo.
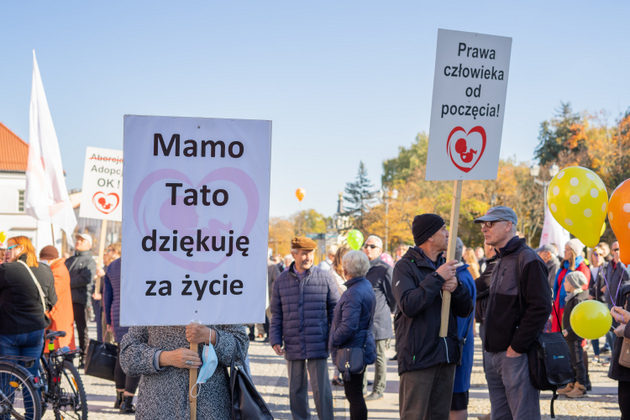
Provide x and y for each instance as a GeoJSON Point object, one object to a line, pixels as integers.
{"type": "Point", "coordinates": [387, 195]}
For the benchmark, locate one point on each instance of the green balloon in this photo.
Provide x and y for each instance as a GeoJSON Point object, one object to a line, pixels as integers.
{"type": "Point", "coordinates": [355, 239]}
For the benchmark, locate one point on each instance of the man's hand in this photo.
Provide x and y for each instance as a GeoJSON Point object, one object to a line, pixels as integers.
{"type": "Point", "coordinates": [511, 353]}
{"type": "Point", "coordinates": [100, 272]}
{"type": "Point", "coordinates": [110, 328]}
{"type": "Point", "coordinates": [448, 269]}
{"type": "Point", "coordinates": [278, 349]}
{"type": "Point", "coordinates": [181, 358]}
{"type": "Point", "coordinates": [96, 296]}
{"type": "Point", "coordinates": [450, 285]}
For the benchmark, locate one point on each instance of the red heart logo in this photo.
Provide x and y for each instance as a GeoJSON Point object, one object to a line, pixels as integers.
{"type": "Point", "coordinates": [465, 149]}
{"type": "Point", "coordinates": [105, 203]}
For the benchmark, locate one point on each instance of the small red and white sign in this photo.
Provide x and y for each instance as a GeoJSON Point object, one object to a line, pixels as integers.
{"type": "Point", "coordinates": [101, 195]}
{"type": "Point", "coordinates": [469, 88]}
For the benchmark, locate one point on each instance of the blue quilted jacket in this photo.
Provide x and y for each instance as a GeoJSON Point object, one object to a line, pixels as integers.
{"type": "Point", "coordinates": [302, 311]}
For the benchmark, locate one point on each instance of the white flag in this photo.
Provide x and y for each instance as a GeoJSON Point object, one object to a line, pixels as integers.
{"type": "Point", "coordinates": [46, 197]}
{"type": "Point", "coordinates": [552, 232]}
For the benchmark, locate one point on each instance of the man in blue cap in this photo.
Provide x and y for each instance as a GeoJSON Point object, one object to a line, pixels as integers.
{"type": "Point", "coordinates": [519, 304]}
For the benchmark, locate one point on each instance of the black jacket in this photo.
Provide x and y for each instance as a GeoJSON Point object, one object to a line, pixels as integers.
{"type": "Point", "coordinates": [82, 269]}
{"type": "Point", "coordinates": [20, 305]}
{"type": "Point", "coordinates": [566, 315]}
{"type": "Point", "coordinates": [519, 303]}
{"type": "Point", "coordinates": [616, 371]}
{"type": "Point", "coordinates": [482, 283]}
{"type": "Point", "coordinates": [418, 291]}
{"type": "Point", "coordinates": [380, 275]}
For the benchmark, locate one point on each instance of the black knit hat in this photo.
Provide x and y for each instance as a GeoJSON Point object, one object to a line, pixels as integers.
{"type": "Point", "coordinates": [424, 226]}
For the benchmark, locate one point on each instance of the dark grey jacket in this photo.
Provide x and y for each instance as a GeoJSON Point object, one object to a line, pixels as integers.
{"type": "Point", "coordinates": [617, 276]}
{"type": "Point", "coordinates": [82, 269]}
{"type": "Point", "coordinates": [380, 275]}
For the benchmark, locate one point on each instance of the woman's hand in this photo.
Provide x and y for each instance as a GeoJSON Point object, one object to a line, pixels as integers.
{"type": "Point", "coordinates": [619, 330]}
{"type": "Point", "coordinates": [180, 358]}
{"type": "Point", "coordinates": [621, 315]}
{"type": "Point", "coordinates": [199, 334]}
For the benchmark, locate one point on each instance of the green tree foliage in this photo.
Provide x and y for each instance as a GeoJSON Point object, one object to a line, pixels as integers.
{"type": "Point", "coordinates": [358, 197]}
{"type": "Point", "coordinates": [556, 135]}
{"type": "Point", "coordinates": [406, 163]}
{"type": "Point", "coordinates": [308, 221]}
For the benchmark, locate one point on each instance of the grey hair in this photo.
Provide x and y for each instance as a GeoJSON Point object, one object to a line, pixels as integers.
{"type": "Point", "coordinates": [377, 241]}
{"type": "Point", "coordinates": [355, 264]}
{"type": "Point", "coordinates": [459, 249]}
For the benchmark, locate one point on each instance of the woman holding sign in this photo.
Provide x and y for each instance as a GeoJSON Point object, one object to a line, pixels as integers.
{"type": "Point", "coordinates": [163, 357]}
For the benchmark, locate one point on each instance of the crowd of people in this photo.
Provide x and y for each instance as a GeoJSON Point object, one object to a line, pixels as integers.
{"type": "Point", "coordinates": [347, 308]}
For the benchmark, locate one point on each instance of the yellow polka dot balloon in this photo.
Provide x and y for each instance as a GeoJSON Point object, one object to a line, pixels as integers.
{"type": "Point", "coordinates": [578, 199]}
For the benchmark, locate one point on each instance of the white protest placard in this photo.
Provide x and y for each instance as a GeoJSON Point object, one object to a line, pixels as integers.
{"type": "Point", "coordinates": [469, 87]}
{"type": "Point", "coordinates": [101, 193]}
{"type": "Point", "coordinates": [195, 220]}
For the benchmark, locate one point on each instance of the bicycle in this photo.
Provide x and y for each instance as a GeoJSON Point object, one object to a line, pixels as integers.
{"type": "Point", "coordinates": [19, 397]}
{"type": "Point", "coordinates": [62, 388]}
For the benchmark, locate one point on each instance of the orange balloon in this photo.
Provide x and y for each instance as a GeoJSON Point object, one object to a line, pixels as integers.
{"type": "Point", "coordinates": [299, 193]}
{"type": "Point", "coordinates": [619, 218]}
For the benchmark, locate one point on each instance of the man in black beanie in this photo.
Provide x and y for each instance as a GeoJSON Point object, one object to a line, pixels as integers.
{"type": "Point", "coordinates": [426, 362]}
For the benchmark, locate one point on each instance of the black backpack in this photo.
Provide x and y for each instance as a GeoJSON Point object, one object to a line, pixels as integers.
{"type": "Point", "coordinates": [549, 364]}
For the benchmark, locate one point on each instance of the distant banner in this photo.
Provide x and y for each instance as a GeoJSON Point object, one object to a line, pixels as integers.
{"type": "Point", "coordinates": [469, 88]}
{"type": "Point", "coordinates": [101, 194]}
{"type": "Point", "coordinates": [196, 220]}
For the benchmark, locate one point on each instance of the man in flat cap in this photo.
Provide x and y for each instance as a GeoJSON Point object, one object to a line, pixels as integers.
{"type": "Point", "coordinates": [519, 304]}
{"type": "Point", "coordinates": [302, 305]}
{"type": "Point", "coordinates": [426, 362]}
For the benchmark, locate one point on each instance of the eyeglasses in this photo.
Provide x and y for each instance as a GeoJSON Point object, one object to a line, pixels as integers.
{"type": "Point", "coordinates": [488, 225]}
{"type": "Point", "coordinates": [370, 246]}
{"type": "Point", "coordinates": [613, 250]}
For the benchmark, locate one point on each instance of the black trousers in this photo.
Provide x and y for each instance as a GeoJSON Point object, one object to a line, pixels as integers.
{"type": "Point", "coordinates": [353, 388]}
{"type": "Point", "coordinates": [623, 393]}
{"type": "Point", "coordinates": [576, 353]}
{"type": "Point", "coordinates": [80, 321]}
{"type": "Point", "coordinates": [123, 381]}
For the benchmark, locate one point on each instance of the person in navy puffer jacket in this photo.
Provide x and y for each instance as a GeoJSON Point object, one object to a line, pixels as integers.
{"type": "Point", "coordinates": [352, 326]}
{"type": "Point", "coordinates": [302, 305]}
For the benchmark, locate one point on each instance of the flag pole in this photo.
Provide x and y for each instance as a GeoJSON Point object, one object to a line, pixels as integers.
{"type": "Point", "coordinates": [192, 380]}
{"type": "Point", "coordinates": [450, 253]}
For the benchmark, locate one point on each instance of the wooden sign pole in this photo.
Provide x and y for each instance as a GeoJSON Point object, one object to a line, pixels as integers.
{"type": "Point", "coordinates": [192, 380]}
{"type": "Point", "coordinates": [450, 253]}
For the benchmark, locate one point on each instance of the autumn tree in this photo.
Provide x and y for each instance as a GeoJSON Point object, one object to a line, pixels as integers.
{"type": "Point", "coordinates": [281, 231]}
{"type": "Point", "coordinates": [308, 222]}
{"type": "Point", "coordinates": [359, 196]}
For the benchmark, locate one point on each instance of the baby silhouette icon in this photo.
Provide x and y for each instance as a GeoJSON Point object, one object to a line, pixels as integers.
{"type": "Point", "coordinates": [462, 148]}
{"type": "Point", "coordinates": [465, 149]}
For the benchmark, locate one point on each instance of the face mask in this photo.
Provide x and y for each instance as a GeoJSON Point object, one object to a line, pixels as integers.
{"type": "Point", "coordinates": [208, 366]}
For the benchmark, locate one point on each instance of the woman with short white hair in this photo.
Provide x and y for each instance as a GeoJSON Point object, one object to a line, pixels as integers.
{"type": "Point", "coordinates": [351, 326]}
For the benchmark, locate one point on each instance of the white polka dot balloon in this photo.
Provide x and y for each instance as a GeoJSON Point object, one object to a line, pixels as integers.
{"type": "Point", "coordinates": [619, 218]}
{"type": "Point", "coordinates": [578, 199]}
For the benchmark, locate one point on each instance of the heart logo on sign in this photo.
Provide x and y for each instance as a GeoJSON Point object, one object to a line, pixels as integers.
{"type": "Point", "coordinates": [186, 220]}
{"type": "Point", "coordinates": [105, 203]}
{"type": "Point", "coordinates": [466, 148]}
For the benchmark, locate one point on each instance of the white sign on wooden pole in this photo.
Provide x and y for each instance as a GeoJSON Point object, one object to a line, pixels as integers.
{"type": "Point", "coordinates": [469, 88]}
{"type": "Point", "coordinates": [195, 220]}
{"type": "Point", "coordinates": [101, 193]}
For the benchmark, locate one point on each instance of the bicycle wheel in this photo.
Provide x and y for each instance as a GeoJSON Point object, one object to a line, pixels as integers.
{"type": "Point", "coordinates": [18, 396]}
{"type": "Point", "coordinates": [71, 401]}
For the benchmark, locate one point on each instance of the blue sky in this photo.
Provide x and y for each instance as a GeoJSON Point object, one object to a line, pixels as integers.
{"type": "Point", "coordinates": [341, 81]}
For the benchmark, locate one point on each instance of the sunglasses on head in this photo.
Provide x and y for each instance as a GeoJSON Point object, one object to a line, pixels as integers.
{"type": "Point", "coordinates": [370, 246]}
{"type": "Point", "coordinates": [11, 247]}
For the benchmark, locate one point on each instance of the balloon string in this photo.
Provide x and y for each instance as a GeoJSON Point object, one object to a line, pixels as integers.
{"type": "Point", "coordinates": [614, 300]}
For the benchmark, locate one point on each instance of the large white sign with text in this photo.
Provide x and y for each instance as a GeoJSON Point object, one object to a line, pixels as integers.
{"type": "Point", "coordinates": [469, 88]}
{"type": "Point", "coordinates": [195, 220]}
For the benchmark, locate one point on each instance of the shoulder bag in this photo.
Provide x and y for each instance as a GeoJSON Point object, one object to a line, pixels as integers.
{"type": "Point", "coordinates": [42, 297]}
{"type": "Point", "coordinates": [247, 403]}
{"type": "Point", "coordinates": [351, 360]}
